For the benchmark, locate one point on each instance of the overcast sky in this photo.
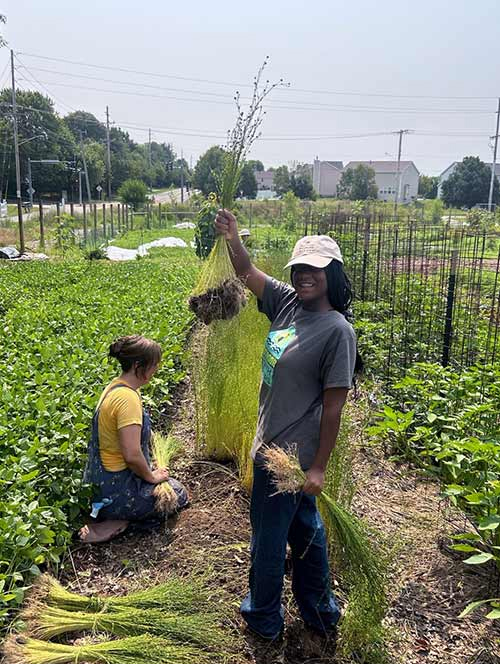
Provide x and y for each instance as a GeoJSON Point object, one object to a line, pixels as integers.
{"type": "Point", "coordinates": [355, 67]}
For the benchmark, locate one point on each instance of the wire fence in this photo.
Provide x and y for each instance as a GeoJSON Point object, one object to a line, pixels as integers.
{"type": "Point", "coordinates": [423, 292]}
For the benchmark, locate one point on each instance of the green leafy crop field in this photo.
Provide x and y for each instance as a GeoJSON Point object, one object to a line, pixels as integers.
{"type": "Point", "coordinates": [57, 320]}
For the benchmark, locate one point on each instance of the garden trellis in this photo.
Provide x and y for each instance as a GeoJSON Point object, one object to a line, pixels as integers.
{"type": "Point", "coordinates": [424, 292]}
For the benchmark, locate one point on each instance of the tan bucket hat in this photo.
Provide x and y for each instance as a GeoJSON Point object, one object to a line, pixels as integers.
{"type": "Point", "coordinates": [315, 250]}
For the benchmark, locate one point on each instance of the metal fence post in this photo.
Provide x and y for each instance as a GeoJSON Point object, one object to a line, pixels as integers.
{"type": "Point", "coordinates": [450, 301]}
{"type": "Point", "coordinates": [104, 219]}
{"type": "Point", "coordinates": [95, 222]}
{"type": "Point", "coordinates": [84, 208]}
{"type": "Point", "coordinates": [42, 230]}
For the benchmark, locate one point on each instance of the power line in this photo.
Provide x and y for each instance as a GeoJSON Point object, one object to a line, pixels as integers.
{"type": "Point", "coordinates": [315, 107]}
{"type": "Point", "coordinates": [218, 94]}
{"type": "Point", "coordinates": [239, 85]}
{"type": "Point", "coordinates": [196, 133]}
{"type": "Point", "coordinates": [47, 91]}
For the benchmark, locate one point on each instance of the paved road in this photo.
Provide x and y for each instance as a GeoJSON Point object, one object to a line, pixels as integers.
{"type": "Point", "coordinates": [171, 195]}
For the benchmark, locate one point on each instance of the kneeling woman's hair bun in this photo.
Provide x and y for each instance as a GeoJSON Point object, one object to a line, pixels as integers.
{"type": "Point", "coordinates": [135, 350]}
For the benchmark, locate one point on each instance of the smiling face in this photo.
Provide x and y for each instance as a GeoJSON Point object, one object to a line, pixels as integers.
{"type": "Point", "coordinates": [310, 283]}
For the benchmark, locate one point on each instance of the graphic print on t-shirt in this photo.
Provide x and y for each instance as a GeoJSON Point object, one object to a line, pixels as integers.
{"type": "Point", "coordinates": [276, 343]}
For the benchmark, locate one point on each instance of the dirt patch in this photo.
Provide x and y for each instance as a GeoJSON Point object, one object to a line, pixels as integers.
{"type": "Point", "coordinates": [429, 585]}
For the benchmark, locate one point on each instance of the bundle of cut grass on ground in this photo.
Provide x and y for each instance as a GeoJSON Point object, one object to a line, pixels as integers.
{"type": "Point", "coordinates": [219, 295]}
{"type": "Point", "coordinates": [165, 449]}
{"type": "Point", "coordinates": [182, 595]}
{"type": "Point", "coordinates": [348, 533]}
{"type": "Point", "coordinates": [203, 629]}
{"type": "Point", "coordinates": [143, 649]}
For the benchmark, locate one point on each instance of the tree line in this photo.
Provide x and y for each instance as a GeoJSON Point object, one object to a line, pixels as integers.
{"type": "Point", "coordinates": [67, 141]}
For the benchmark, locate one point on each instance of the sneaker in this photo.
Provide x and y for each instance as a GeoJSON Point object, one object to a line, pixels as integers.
{"type": "Point", "coordinates": [319, 645]}
{"type": "Point", "coordinates": [266, 651]}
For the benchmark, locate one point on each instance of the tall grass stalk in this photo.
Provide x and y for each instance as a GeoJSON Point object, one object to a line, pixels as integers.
{"type": "Point", "coordinates": [45, 622]}
{"type": "Point", "coordinates": [143, 649]}
{"type": "Point", "coordinates": [348, 534]}
{"type": "Point", "coordinates": [177, 595]}
{"type": "Point", "coordinates": [165, 449]}
{"type": "Point", "coordinates": [226, 377]}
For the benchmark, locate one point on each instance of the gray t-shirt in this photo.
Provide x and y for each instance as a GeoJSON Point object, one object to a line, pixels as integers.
{"type": "Point", "coordinates": [305, 353]}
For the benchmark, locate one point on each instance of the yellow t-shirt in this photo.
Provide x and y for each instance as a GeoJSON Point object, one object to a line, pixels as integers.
{"type": "Point", "coordinates": [121, 408]}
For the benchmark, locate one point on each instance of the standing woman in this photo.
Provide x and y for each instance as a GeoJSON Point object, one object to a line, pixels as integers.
{"type": "Point", "coordinates": [119, 464]}
{"type": "Point", "coordinates": [307, 369]}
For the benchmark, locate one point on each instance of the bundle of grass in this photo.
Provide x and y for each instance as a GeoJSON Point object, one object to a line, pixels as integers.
{"type": "Point", "coordinates": [143, 649]}
{"type": "Point", "coordinates": [203, 629]}
{"type": "Point", "coordinates": [219, 295]}
{"type": "Point", "coordinates": [185, 596]}
{"type": "Point", "coordinates": [165, 449]}
{"type": "Point", "coordinates": [348, 533]}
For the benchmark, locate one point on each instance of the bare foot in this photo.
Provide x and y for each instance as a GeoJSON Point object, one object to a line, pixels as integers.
{"type": "Point", "coordinates": [102, 531]}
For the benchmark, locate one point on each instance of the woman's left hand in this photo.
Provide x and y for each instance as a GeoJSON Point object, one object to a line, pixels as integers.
{"type": "Point", "coordinates": [315, 480]}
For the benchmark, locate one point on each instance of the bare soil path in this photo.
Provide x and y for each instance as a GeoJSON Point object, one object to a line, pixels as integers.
{"type": "Point", "coordinates": [429, 586]}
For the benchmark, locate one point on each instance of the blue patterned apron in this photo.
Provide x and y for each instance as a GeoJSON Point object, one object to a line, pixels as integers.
{"type": "Point", "coordinates": [126, 495]}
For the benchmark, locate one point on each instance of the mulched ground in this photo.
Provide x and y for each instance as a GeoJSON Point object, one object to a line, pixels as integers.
{"type": "Point", "coordinates": [429, 585]}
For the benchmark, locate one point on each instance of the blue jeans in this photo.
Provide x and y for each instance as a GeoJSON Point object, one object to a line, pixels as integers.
{"type": "Point", "coordinates": [275, 520]}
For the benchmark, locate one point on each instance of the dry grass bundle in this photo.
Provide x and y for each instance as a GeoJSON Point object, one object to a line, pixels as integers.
{"type": "Point", "coordinates": [188, 595]}
{"type": "Point", "coordinates": [203, 629]}
{"type": "Point", "coordinates": [165, 449]}
{"type": "Point", "coordinates": [349, 535]}
{"type": "Point", "coordinates": [219, 295]}
{"type": "Point", "coordinates": [143, 649]}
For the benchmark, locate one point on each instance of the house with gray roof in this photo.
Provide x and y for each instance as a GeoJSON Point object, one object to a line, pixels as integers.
{"type": "Point", "coordinates": [450, 170]}
{"type": "Point", "coordinates": [389, 182]}
{"type": "Point", "coordinates": [326, 177]}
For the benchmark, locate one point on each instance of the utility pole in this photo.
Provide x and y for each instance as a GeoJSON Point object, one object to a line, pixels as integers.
{"type": "Point", "coordinates": [182, 176]}
{"type": "Point", "coordinates": [80, 198]}
{"type": "Point", "coordinates": [16, 151]}
{"type": "Point", "coordinates": [493, 165]}
{"type": "Point", "coordinates": [398, 174]}
{"type": "Point", "coordinates": [108, 153]}
{"type": "Point", "coordinates": [30, 183]}
{"type": "Point", "coordinates": [150, 162]}
{"type": "Point", "coordinates": [85, 168]}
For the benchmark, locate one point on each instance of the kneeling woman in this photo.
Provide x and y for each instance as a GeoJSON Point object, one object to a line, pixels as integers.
{"type": "Point", "coordinates": [119, 464]}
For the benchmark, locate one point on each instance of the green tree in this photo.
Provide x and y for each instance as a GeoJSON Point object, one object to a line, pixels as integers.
{"type": "Point", "coordinates": [302, 186]}
{"type": "Point", "coordinates": [42, 135]}
{"type": "Point", "coordinates": [358, 184]}
{"type": "Point", "coordinates": [87, 124]}
{"type": "Point", "coordinates": [208, 168]}
{"type": "Point", "coordinates": [95, 156]}
{"type": "Point", "coordinates": [469, 184]}
{"type": "Point", "coordinates": [248, 183]}
{"type": "Point", "coordinates": [428, 186]}
{"type": "Point", "coordinates": [256, 165]}
{"type": "Point", "coordinates": [133, 192]}
{"type": "Point", "coordinates": [282, 180]}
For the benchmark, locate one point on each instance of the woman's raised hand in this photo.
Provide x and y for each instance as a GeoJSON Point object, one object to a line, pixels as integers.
{"type": "Point", "coordinates": [225, 224]}
{"type": "Point", "coordinates": [160, 475]}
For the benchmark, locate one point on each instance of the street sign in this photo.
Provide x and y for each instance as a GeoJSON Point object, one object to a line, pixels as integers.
{"type": "Point", "coordinates": [31, 191]}
{"type": "Point", "coordinates": [99, 188]}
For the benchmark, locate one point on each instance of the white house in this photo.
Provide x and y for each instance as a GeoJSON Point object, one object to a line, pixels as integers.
{"type": "Point", "coordinates": [451, 168]}
{"type": "Point", "coordinates": [388, 181]}
{"type": "Point", "coordinates": [265, 180]}
{"type": "Point", "coordinates": [326, 177]}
